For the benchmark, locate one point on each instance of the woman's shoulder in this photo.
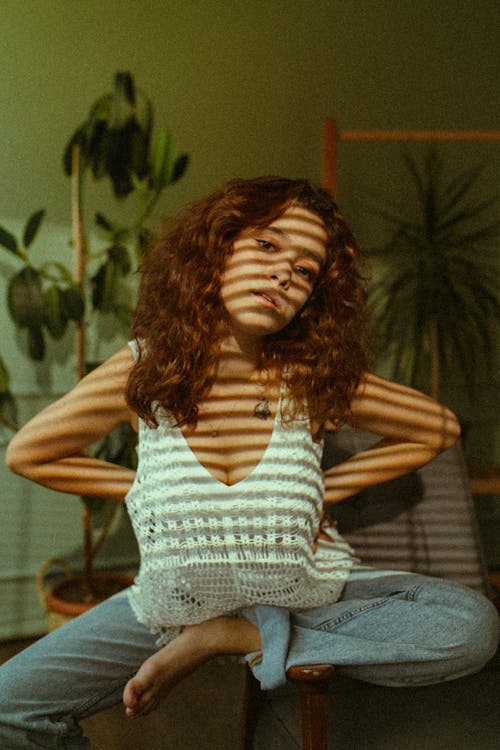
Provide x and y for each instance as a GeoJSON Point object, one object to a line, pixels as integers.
{"type": "Point", "coordinates": [105, 385]}
{"type": "Point", "coordinates": [118, 366]}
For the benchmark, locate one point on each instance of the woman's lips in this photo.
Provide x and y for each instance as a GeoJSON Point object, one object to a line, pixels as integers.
{"type": "Point", "coordinates": [269, 299]}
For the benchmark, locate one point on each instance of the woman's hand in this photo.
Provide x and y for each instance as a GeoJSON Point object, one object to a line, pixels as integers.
{"type": "Point", "coordinates": [414, 429]}
{"type": "Point", "coordinates": [50, 448]}
{"type": "Point", "coordinates": [325, 523]}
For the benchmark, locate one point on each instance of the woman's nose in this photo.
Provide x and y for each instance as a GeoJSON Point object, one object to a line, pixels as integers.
{"type": "Point", "coordinates": [282, 273]}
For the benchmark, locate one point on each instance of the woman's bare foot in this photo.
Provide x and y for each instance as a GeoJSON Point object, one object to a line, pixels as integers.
{"type": "Point", "coordinates": [195, 645]}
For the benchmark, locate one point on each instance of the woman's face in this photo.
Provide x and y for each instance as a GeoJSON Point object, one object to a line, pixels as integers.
{"type": "Point", "coordinates": [272, 272]}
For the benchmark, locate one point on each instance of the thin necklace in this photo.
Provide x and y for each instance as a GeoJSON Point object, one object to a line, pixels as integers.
{"type": "Point", "coordinates": [261, 410]}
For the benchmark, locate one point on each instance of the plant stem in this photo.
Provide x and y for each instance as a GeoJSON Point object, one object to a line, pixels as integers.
{"type": "Point", "coordinates": [105, 529]}
{"type": "Point", "coordinates": [78, 234]}
{"type": "Point", "coordinates": [147, 210]}
{"type": "Point", "coordinates": [88, 562]}
{"type": "Point", "coordinates": [79, 252]}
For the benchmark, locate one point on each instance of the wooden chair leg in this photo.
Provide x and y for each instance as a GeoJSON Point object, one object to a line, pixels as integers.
{"type": "Point", "coordinates": [251, 705]}
{"type": "Point", "coordinates": [312, 682]}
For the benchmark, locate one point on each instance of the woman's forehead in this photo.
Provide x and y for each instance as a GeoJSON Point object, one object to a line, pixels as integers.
{"type": "Point", "coordinates": [302, 228]}
{"type": "Point", "coordinates": [296, 216]}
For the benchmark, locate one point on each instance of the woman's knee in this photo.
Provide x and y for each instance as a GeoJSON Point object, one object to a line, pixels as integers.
{"type": "Point", "coordinates": [474, 625]}
{"type": "Point", "coordinates": [481, 631]}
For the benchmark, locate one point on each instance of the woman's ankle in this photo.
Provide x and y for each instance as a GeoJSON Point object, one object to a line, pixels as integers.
{"type": "Point", "coordinates": [224, 635]}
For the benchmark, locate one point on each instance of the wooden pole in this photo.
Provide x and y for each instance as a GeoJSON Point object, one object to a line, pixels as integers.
{"type": "Point", "coordinates": [329, 156]}
{"type": "Point", "coordinates": [418, 135]}
{"type": "Point", "coordinates": [332, 134]}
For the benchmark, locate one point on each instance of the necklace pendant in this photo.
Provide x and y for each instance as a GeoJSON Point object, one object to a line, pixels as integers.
{"type": "Point", "coordinates": [214, 433]}
{"type": "Point", "coordinates": [262, 409]}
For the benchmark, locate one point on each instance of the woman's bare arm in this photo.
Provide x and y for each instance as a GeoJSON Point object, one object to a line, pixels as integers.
{"type": "Point", "coordinates": [50, 448]}
{"type": "Point", "coordinates": [414, 429]}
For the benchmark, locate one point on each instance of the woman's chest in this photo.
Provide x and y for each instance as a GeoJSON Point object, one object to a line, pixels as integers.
{"type": "Point", "coordinates": [232, 435]}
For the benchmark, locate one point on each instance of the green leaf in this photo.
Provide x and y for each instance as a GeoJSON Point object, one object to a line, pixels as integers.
{"type": "Point", "coordinates": [144, 238]}
{"type": "Point", "coordinates": [8, 410]}
{"type": "Point", "coordinates": [124, 83]}
{"type": "Point", "coordinates": [119, 157]}
{"type": "Point", "coordinates": [24, 298]}
{"type": "Point", "coordinates": [8, 241]}
{"type": "Point", "coordinates": [141, 187]}
{"type": "Point", "coordinates": [89, 136]}
{"type": "Point", "coordinates": [73, 304]}
{"type": "Point", "coordinates": [139, 152]}
{"type": "Point", "coordinates": [459, 186]}
{"type": "Point", "coordinates": [389, 212]}
{"type": "Point", "coordinates": [120, 256]}
{"type": "Point", "coordinates": [470, 213]}
{"type": "Point", "coordinates": [59, 269]}
{"type": "Point", "coordinates": [99, 112]}
{"type": "Point", "coordinates": [103, 223]}
{"type": "Point", "coordinates": [32, 227]}
{"type": "Point", "coordinates": [162, 160]}
{"type": "Point", "coordinates": [180, 166]}
{"type": "Point", "coordinates": [415, 173]}
{"type": "Point", "coordinates": [104, 287]}
{"type": "Point", "coordinates": [481, 235]}
{"type": "Point", "coordinates": [55, 317]}
{"type": "Point", "coordinates": [4, 377]}
{"type": "Point", "coordinates": [97, 149]}
{"type": "Point", "coordinates": [97, 283]}
{"type": "Point", "coordinates": [123, 102]}
{"type": "Point", "coordinates": [36, 343]}
{"type": "Point", "coordinates": [144, 113]}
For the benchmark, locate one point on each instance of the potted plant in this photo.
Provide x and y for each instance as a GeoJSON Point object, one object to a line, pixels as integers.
{"type": "Point", "coordinates": [115, 142]}
{"type": "Point", "coordinates": [435, 299]}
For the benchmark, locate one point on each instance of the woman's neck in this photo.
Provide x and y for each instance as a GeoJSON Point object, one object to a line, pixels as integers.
{"type": "Point", "coordinates": [239, 358]}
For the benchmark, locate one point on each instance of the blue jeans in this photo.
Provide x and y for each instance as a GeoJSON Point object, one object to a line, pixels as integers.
{"type": "Point", "coordinates": [388, 628]}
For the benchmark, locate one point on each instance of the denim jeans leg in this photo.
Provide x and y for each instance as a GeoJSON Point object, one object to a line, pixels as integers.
{"type": "Point", "coordinates": [74, 672]}
{"type": "Point", "coordinates": [273, 623]}
{"type": "Point", "coordinates": [396, 628]}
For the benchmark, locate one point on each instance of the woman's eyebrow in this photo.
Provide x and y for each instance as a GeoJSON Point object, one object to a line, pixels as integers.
{"type": "Point", "coordinates": [304, 250]}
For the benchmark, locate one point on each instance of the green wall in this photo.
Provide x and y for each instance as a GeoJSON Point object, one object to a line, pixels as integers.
{"type": "Point", "coordinates": [242, 83]}
{"type": "Point", "coordinates": [244, 86]}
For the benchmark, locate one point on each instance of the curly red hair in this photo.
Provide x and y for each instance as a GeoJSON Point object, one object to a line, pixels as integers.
{"type": "Point", "coordinates": [180, 318]}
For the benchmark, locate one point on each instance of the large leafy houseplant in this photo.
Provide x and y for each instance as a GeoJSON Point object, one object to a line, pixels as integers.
{"type": "Point", "coordinates": [116, 141]}
{"type": "Point", "coordinates": [436, 299]}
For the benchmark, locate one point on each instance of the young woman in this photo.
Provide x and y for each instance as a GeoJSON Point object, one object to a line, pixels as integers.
{"type": "Point", "coordinates": [248, 342]}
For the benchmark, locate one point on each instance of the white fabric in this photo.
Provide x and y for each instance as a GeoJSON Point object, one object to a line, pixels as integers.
{"type": "Point", "coordinates": [209, 549]}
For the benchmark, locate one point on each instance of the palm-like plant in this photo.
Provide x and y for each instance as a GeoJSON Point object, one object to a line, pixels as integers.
{"type": "Point", "coordinates": [436, 299]}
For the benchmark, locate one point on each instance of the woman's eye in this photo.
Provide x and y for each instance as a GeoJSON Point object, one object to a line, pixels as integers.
{"type": "Point", "coordinates": [306, 273]}
{"type": "Point", "coordinates": [266, 244]}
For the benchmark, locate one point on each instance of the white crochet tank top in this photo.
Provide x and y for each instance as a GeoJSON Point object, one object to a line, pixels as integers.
{"type": "Point", "coordinates": [209, 549]}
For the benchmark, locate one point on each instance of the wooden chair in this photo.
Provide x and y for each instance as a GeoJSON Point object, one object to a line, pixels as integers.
{"type": "Point", "coordinates": [312, 683]}
{"type": "Point", "coordinates": [405, 524]}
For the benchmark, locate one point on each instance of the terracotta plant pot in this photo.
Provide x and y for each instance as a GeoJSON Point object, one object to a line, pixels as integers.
{"type": "Point", "coordinates": [71, 596]}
